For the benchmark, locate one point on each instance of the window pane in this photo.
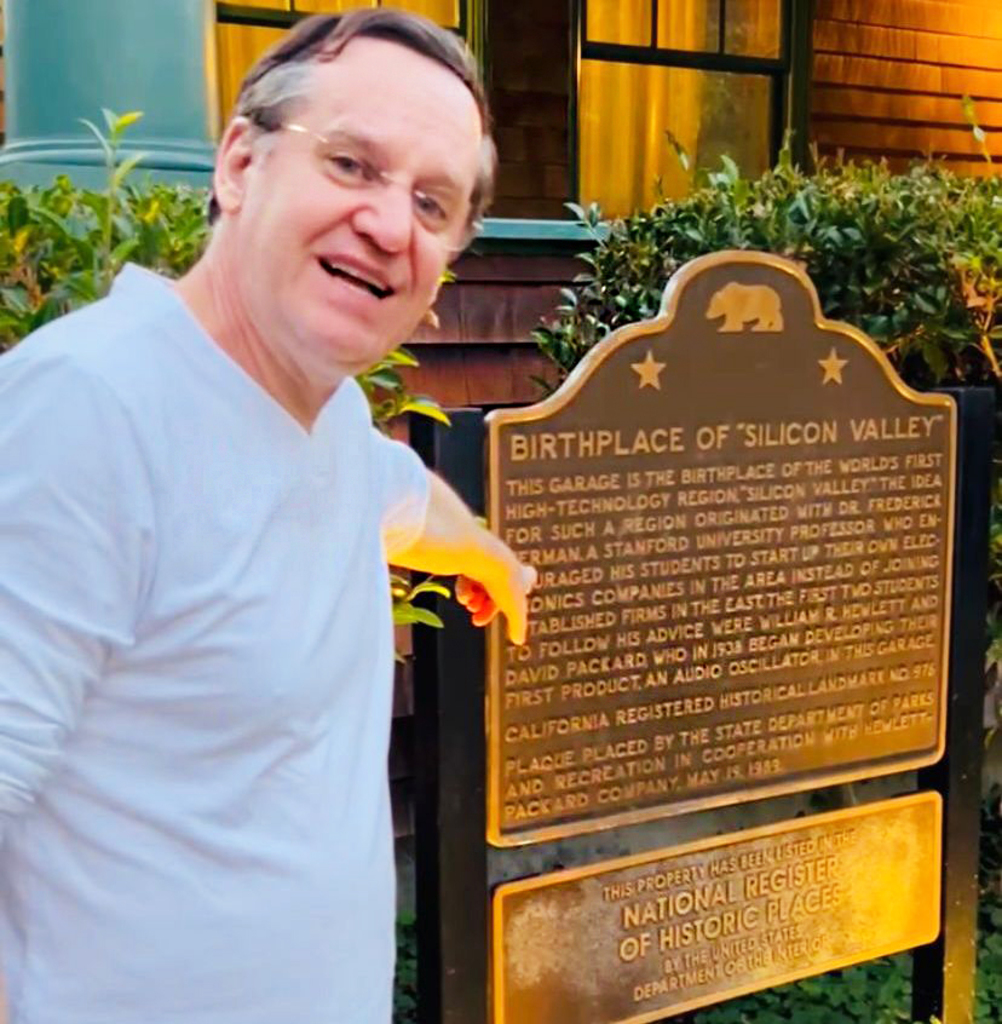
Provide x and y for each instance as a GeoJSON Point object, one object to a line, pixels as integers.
{"type": "Point", "coordinates": [238, 47]}
{"type": "Point", "coordinates": [445, 12]}
{"type": "Point", "coordinates": [689, 24]}
{"type": "Point", "coordinates": [753, 28]}
{"type": "Point", "coordinates": [626, 109]}
{"type": "Point", "coordinates": [619, 21]}
{"type": "Point", "coordinates": [330, 6]}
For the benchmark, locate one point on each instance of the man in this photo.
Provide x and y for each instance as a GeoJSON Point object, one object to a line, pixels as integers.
{"type": "Point", "coordinates": [195, 514]}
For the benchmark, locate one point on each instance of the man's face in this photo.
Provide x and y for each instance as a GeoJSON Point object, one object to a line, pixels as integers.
{"type": "Point", "coordinates": [334, 276]}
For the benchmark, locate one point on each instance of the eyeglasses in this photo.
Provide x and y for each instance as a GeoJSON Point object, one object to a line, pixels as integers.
{"type": "Point", "coordinates": [344, 159]}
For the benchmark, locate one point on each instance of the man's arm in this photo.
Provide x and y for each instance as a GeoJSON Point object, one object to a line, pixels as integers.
{"type": "Point", "coordinates": [453, 543]}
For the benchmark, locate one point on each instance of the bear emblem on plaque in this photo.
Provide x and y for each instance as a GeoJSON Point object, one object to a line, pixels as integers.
{"type": "Point", "coordinates": [743, 304]}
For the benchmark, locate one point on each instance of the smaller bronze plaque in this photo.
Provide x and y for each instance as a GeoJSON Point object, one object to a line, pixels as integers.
{"type": "Point", "coordinates": [631, 940]}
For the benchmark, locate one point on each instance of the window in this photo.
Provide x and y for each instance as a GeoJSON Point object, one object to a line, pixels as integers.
{"type": "Point", "coordinates": [244, 30]}
{"type": "Point", "coordinates": [706, 76]}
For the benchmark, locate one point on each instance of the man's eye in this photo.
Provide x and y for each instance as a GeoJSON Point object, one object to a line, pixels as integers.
{"type": "Point", "coordinates": [430, 208]}
{"type": "Point", "coordinates": [347, 167]}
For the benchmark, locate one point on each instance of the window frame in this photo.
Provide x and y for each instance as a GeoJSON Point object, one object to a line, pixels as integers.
{"type": "Point", "coordinates": [472, 22]}
{"type": "Point", "coordinates": [781, 71]}
{"type": "Point", "coordinates": [524, 236]}
{"type": "Point", "coordinates": [263, 17]}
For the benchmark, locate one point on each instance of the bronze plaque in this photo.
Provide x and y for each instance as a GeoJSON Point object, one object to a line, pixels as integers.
{"type": "Point", "coordinates": [631, 940]}
{"type": "Point", "coordinates": [742, 522]}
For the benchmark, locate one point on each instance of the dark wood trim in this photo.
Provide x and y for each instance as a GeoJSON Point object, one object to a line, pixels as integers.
{"type": "Point", "coordinates": [579, 14]}
{"type": "Point", "coordinates": [799, 31]}
{"type": "Point", "coordinates": [473, 27]}
{"type": "Point", "coordinates": [240, 14]}
{"type": "Point", "coordinates": [464, 18]}
{"type": "Point", "coordinates": [262, 17]}
{"type": "Point", "coordinates": [696, 60]}
{"type": "Point", "coordinates": [779, 123]}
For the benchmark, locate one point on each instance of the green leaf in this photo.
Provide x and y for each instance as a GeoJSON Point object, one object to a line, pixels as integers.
{"type": "Point", "coordinates": [408, 615]}
{"type": "Point", "coordinates": [101, 140]}
{"type": "Point", "coordinates": [125, 168]}
{"type": "Point", "coordinates": [731, 169]}
{"type": "Point", "coordinates": [401, 357]}
{"type": "Point", "coordinates": [427, 618]}
{"type": "Point", "coordinates": [430, 587]}
{"type": "Point", "coordinates": [679, 150]}
{"type": "Point", "coordinates": [123, 251]}
{"type": "Point", "coordinates": [127, 120]}
{"type": "Point", "coordinates": [386, 379]}
{"type": "Point", "coordinates": [17, 214]}
{"type": "Point", "coordinates": [15, 298]}
{"type": "Point", "coordinates": [426, 407]}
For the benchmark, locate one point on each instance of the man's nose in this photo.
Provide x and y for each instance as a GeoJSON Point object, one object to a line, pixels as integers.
{"type": "Point", "coordinates": [386, 216]}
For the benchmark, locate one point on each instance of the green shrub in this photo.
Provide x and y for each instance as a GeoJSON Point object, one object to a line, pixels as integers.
{"type": "Point", "coordinates": [52, 252]}
{"type": "Point", "coordinates": [911, 259]}
{"type": "Point", "coordinates": [405, 979]}
{"type": "Point", "coordinates": [914, 260]}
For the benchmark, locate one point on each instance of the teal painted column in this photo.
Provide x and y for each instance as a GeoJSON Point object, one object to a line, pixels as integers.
{"type": "Point", "coordinates": [66, 59]}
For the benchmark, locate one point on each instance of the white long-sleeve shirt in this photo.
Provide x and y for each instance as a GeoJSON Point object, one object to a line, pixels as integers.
{"type": "Point", "coordinates": [195, 682]}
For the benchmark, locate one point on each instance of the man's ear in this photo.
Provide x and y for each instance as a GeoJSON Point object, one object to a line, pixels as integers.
{"type": "Point", "coordinates": [232, 163]}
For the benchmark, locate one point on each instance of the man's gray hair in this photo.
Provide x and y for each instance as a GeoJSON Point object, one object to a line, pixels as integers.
{"type": "Point", "coordinates": [281, 77]}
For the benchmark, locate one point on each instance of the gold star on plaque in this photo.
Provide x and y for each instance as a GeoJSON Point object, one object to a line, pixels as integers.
{"type": "Point", "coordinates": [649, 371]}
{"type": "Point", "coordinates": [832, 367]}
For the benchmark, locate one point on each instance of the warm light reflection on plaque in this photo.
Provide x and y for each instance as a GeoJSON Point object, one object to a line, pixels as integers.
{"type": "Point", "coordinates": [630, 941]}
{"type": "Point", "coordinates": [742, 523]}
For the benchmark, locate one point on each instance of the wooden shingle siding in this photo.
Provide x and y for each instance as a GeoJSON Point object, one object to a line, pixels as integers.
{"type": "Point", "coordinates": [975, 19]}
{"type": "Point", "coordinates": [530, 54]}
{"type": "Point", "coordinates": [482, 353]}
{"type": "Point", "coordinates": [889, 77]}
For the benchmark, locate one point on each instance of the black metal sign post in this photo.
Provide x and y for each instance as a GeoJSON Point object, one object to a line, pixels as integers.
{"type": "Point", "coordinates": [450, 770]}
{"type": "Point", "coordinates": [944, 971]}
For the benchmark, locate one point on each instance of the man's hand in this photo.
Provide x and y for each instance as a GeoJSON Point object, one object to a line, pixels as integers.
{"type": "Point", "coordinates": [483, 606]}
{"type": "Point", "coordinates": [491, 578]}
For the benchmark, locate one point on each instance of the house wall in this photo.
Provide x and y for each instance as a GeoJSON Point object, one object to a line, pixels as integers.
{"type": "Point", "coordinates": [529, 83]}
{"type": "Point", "coordinates": [889, 77]}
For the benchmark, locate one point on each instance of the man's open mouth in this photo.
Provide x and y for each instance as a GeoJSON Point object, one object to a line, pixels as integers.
{"type": "Point", "coordinates": [373, 287]}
